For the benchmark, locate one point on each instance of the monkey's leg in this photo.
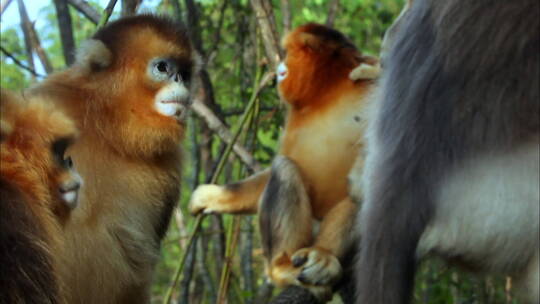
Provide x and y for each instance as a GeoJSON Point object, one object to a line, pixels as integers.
{"type": "Point", "coordinates": [240, 198]}
{"type": "Point", "coordinates": [320, 263]}
{"type": "Point", "coordinates": [285, 220]}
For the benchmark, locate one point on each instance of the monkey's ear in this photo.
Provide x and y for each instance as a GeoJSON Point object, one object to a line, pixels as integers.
{"type": "Point", "coordinates": [310, 40]}
{"type": "Point", "coordinates": [93, 55]}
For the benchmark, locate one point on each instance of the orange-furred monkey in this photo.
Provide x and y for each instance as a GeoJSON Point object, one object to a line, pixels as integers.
{"type": "Point", "coordinates": [38, 190]}
{"type": "Point", "coordinates": [308, 180]}
{"type": "Point", "coordinates": [127, 92]}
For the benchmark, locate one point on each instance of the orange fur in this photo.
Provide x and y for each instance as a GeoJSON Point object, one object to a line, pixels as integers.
{"type": "Point", "coordinates": [32, 210]}
{"type": "Point", "coordinates": [128, 155]}
{"type": "Point", "coordinates": [325, 121]}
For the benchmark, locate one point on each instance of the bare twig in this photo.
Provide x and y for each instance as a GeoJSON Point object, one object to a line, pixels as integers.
{"type": "Point", "coordinates": [84, 8]}
{"type": "Point", "coordinates": [36, 44]}
{"type": "Point", "coordinates": [106, 14]}
{"type": "Point", "coordinates": [4, 5]}
{"type": "Point", "coordinates": [66, 30]}
{"type": "Point", "coordinates": [223, 132]}
{"type": "Point", "coordinates": [287, 18]}
{"type": "Point", "coordinates": [232, 241]}
{"type": "Point", "coordinates": [266, 20]}
{"type": "Point", "coordinates": [129, 7]}
{"type": "Point", "coordinates": [333, 8]}
{"type": "Point", "coordinates": [19, 63]}
{"type": "Point", "coordinates": [26, 25]}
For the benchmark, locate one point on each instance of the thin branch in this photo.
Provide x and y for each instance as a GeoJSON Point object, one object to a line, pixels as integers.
{"type": "Point", "coordinates": [36, 44]}
{"type": "Point", "coordinates": [216, 125]}
{"type": "Point", "coordinates": [129, 7]}
{"type": "Point", "coordinates": [19, 63]}
{"type": "Point", "coordinates": [26, 24]}
{"type": "Point", "coordinates": [66, 30]}
{"type": "Point", "coordinates": [106, 14]}
{"type": "Point", "coordinates": [266, 20]}
{"type": "Point", "coordinates": [333, 8]}
{"type": "Point", "coordinates": [287, 17]}
{"type": "Point", "coordinates": [4, 5]}
{"type": "Point", "coordinates": [84, 8]}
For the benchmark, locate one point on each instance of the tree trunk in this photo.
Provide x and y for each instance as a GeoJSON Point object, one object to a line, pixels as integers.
{"type": "Point", "coordinates": [66, 30]}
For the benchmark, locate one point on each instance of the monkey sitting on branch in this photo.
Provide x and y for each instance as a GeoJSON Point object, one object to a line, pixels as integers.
{"type": "Point", "coordinates": [305, 213]}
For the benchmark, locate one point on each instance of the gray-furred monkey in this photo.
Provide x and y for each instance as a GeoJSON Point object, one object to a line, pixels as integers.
{"type": "Point", "coordinates": [453, 148]}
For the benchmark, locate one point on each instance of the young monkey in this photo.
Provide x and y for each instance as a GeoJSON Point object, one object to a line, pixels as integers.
{"type": "Point", "coordinates": [38, 191]}
{"type": "Point", "coordinates": [308, 179]}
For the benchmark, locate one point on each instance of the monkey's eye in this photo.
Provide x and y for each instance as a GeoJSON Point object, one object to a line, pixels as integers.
{"type": "Point", "coordinates": [59, 149]}
{"type": "Point", "coordinates": [162, 66]}
{"type": "Point", "coordinates": [68, 163]}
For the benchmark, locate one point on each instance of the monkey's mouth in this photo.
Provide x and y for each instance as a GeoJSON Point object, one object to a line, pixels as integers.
{"type": "Point", "coordinates": [175, 108]}
{"type": "Point", "coordinates": [281, 72]}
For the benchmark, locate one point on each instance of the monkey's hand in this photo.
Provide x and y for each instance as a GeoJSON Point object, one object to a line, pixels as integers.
{"type": "Point", "coordinates": [365, 72]}
{"type": "Point", "coordinates": [319, 266]}
{"type": "Point", "coordinates": [209, 199]}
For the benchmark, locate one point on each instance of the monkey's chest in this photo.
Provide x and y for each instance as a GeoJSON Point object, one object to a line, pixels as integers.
{"type": "Point", "coordinates": [325, 152]}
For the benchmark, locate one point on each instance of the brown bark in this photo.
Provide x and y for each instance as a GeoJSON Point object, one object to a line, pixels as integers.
{"type": "Point", "coordinates": [66, 30]}
{"type": "Point", "coordinates": [265, 18]}
{"type": "Point", "coordinates": [26, 25]}
{"type": "Point", "coordinates": [84, 8]}
{"type": "Point", "coordinates": [333, 8]}
{"type": "Point", "coordinates": [129, 7]}
{"type": "Point", "coordinates": [36, 45]}
{"type": "Point", "coordinates": [287, 17]}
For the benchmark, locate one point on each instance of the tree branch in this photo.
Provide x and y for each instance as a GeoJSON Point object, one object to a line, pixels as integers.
{"type": "Point", "coordinates": [19, 63]}
{"type": "Point", "coordinates": [26, 25]}
{"type": "Point", "coordinates": [216, 125]}
{"type": "Point", "coordinates": [4, 5]}
{"type": "Point", "coordinates": [84, 8]}
{"type": "Point", "coordinates": [287, 17]}
{"type": "Point", "coordinates": [129, 7]}
{"type": "Point", "coordinates": [36, 45]}
{"type": "Point", "coordinates": [333, 8]}
{"type": "Point", "coordinates": [106, 14]}
{"type": "Point", "coordinates": [66, 30]}
{"type": "Point", "coordinates": [267, 23]}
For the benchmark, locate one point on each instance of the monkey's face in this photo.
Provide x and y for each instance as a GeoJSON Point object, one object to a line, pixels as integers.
{"type": "Point", "coordinates": [34, 147]}
{"type": "Point", "coordinates": [172, 99]}
{"type": "Point", "coordinates": [65, 180]}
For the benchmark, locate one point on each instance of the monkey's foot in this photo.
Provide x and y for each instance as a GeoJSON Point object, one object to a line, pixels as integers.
{"type": "Point", "coordinates": [318, 266]}
{"type": "Point", "coordinates": [208, 199]}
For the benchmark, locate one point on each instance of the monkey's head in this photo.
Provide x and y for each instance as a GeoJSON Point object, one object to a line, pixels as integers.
{"type": "Point", "coordinates": [138, 73]}
{"type": "Point", "coordinates": [34, 138]}
{"type": "Point", "coordinates": [317, 57]}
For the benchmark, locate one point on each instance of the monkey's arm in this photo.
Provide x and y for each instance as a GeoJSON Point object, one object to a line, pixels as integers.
{"type": "Point", "coordinates": [239, 198]}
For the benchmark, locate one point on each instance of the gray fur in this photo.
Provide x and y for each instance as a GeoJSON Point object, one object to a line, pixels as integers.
{"type": "Point", "coordinates": [461, 79]}
{"type": "Point", "coordinates": [282, 203]}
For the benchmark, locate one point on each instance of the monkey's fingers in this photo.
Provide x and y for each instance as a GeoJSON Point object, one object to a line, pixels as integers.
{"type": "Point", "coordinates": [207, 199]}
{"type": "Point", "coordinates": [319, 267]}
